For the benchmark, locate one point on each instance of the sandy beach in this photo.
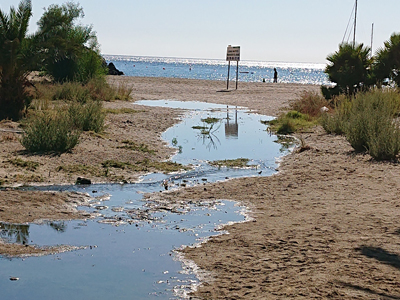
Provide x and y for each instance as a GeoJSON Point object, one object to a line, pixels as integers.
{"type": "Point", "coordinates": [324, 227]}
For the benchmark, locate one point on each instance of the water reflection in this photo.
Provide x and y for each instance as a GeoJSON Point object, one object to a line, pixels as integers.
{"type": "Point", "coordinates": [208, 131]}
{"type": "Point", "coordinates": [231, 129]}
{"type": "Point", "coordinates": [14, 233]}
{"type": "Point", "coordinates": [19, 233]}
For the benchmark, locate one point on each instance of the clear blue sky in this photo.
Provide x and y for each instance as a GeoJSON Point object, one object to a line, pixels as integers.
{"type": "Point", "coordinates": [266, 30]}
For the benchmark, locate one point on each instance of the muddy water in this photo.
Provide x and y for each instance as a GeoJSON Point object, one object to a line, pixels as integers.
{"type": "Point", "coordinates": [127, 252]}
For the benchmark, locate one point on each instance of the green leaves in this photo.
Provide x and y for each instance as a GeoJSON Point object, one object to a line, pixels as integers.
{"type": "Point", "coordinates": [349, 68]}
{"type": "Point", "coordinates": [387, 65]}
{"type": "Point", "coordinates": [69, 51]}
{"type": "Point", "coordinates": [14, 61]}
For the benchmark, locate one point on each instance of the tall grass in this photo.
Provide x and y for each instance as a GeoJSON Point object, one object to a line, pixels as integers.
{"type": "Point", "coordinates": [88, 116]}
{"type": "Point", "coordinates": [96, 89]}
{"type": "Point", "coordinates": [368, 122]}
{"type": "Point", "coordinates": [309, 103]}
{"type": "Point", "coordinates": [59, 130]}
{"type": "Point", "coordinates": [49, 132]}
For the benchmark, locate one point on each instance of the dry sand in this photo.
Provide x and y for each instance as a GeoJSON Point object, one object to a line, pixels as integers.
{"type": "Point", "coordinates": [324, 227]}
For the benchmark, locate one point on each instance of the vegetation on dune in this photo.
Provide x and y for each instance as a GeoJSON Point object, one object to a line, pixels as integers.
{"type": "Point", "coordinates": [368, 123]}
{"type": "Point", "coordinates": [67, 50]}
{"type": "Point", "coordinates": [61, 48]}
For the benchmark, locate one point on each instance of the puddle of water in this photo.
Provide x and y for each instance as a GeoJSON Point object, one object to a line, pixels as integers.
{"type": "Point", "coordinates": [236, 133]}
{"type": "Point", "coordinates": [134, 260]}
{"type": "Point", "coordinates": [128, 250]}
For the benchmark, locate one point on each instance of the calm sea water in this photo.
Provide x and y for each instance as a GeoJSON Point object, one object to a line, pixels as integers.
{"type": "Point", "coordinates": [217, 69]}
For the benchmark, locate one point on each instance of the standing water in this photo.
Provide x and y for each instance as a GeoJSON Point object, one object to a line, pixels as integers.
{"type": "Point", "coordinates": [128, 251]}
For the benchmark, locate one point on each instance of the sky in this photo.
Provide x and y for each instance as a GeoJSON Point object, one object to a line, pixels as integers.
{"type": "Point", "coordinates": [277, 31]}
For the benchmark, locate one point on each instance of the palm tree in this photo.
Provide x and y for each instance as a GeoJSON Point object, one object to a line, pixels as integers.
{"type": "Point", "coordinates": [387, 65]}
{"type": "Point", "coordinates": [349, 68]}
{"type": "Point", "coordinates": [13, 61]}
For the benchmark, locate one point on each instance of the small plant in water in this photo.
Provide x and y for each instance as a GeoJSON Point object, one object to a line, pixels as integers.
{"type": "Point", "coordinates": [231, 163]}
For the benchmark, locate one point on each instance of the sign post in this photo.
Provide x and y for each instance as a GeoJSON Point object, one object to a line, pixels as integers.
{"type": "Point", "coordinates": [233, 54]}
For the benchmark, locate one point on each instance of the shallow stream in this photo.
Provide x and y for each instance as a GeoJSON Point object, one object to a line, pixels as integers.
{"type": "Point", "coordinates": [128, 251]}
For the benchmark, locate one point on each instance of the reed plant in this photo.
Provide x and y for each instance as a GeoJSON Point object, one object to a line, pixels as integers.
{"type": "Point", "coordinates": [368, 123]}
{"type": "Point", "coordinates": [337, 121]}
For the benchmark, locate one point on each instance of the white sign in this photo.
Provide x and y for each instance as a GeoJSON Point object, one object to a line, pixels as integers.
{"type": "Point", "coordinates": [233, 53]}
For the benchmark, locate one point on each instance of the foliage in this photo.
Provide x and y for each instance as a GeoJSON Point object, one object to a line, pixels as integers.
{"type": "Point", "coordinates": [387, 63]}
{"type": "Point", "coordinates": [48, 132]}
{"type": "Point", "coordinates": [88, 116]}
{"type": "Point", "coordinates": [131, 145]}
{"type": "Point", "coordinates": [231, 163]}
{"type": "Point", "coordinates": [349, 68]}
{"type": "Point", "coordinates": [336, 123]}
{"type": "Point", "coordinates": [290, 122]}
{"type": "Point", "coordinates": [26, 164]}
{"type": "Point", "coordinates": [368, 123]}
{"type": "Point", "coordinates": [144, 165]}
{"type": "Point", "coordinates": [66, 50]}
{"type": "Point", "coordinates": [14, 61]}
{"type": "Point", "coordinates": [309, 103]}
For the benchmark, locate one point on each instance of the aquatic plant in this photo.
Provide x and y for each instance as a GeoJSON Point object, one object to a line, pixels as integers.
{"type": "Point", "coordinates": [231, 163]}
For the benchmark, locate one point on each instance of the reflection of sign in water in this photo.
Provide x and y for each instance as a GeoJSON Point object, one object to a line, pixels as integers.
{"type": "Point", "coordinates": [231, 129]}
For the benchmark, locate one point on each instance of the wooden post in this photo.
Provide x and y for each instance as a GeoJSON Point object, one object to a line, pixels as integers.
{"type": "Point", "coordinates": [237, 72]}
{"type": "Point", "coordinates": [227, 82]}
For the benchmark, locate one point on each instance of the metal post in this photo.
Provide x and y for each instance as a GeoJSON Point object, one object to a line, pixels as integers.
{"type": "Point", "coordinates": [355, 25]}
{"type": "Point", "coordinates": [237, 72]}
{"type": "Point", "coordinates": [229, 67]}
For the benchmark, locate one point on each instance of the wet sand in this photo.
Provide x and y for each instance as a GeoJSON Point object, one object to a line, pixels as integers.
{"type": "Point", "coordinates": [324, 227]}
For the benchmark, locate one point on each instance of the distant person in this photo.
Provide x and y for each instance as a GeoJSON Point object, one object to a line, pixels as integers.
{"type": "Point", "coordinates": [275, 76]}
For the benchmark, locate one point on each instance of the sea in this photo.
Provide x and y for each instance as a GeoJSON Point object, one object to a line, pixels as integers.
{"type": "Point", "coordinates": [217, 69]}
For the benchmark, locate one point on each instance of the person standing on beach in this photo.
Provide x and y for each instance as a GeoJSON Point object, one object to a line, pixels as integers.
{"type": "Point", "coordinates": [275, 76]}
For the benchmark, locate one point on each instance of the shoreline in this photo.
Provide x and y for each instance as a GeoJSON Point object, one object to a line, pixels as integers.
{"type": "Point", "coordinates": [326, 225]}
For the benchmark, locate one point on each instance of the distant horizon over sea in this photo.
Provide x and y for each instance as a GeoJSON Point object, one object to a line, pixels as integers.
{"type": "Point", "coordinates": [217, 69]}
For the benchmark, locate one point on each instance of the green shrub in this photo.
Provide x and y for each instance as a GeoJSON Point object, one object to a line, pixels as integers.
{"type": "Point", "coordinates": [338, 121]}
{"type": "Point", "coordinates": [372, 114]}
{"type": "Point", "coordinates": [46, 132]}
{"type": "Point", "coordinates": [88, 116]}
{"type": "Point", "coordinates": [368, 123]}
{"type": "Point", "coordinates": [72, 91]}
{"type": "Point", "coordinates": [309, 103]}
{"type": "Point", "coordinates": [290, 122]}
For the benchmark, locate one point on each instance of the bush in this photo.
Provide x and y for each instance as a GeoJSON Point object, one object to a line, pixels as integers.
{"type": "Point", "coordinates": [47, 132]}
{"type": "Point", "coordinates": [309, 103]}
{"type": "Point", "coordinates": [290, 122]}
{"type": "Point", "coordinates": [368, 123]}
{"type": "Point", "coordinates": [371, 126]}
{"type": "Point", "coordinates": [87, 117]}
{"type": "Point", "coordinates": [337, 122]}
{"type": "Point", "coordinates": [71, 91]}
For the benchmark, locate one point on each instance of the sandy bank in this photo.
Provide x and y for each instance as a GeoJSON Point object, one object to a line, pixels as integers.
{"type": "Point", "coordinates": [325, 225]}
